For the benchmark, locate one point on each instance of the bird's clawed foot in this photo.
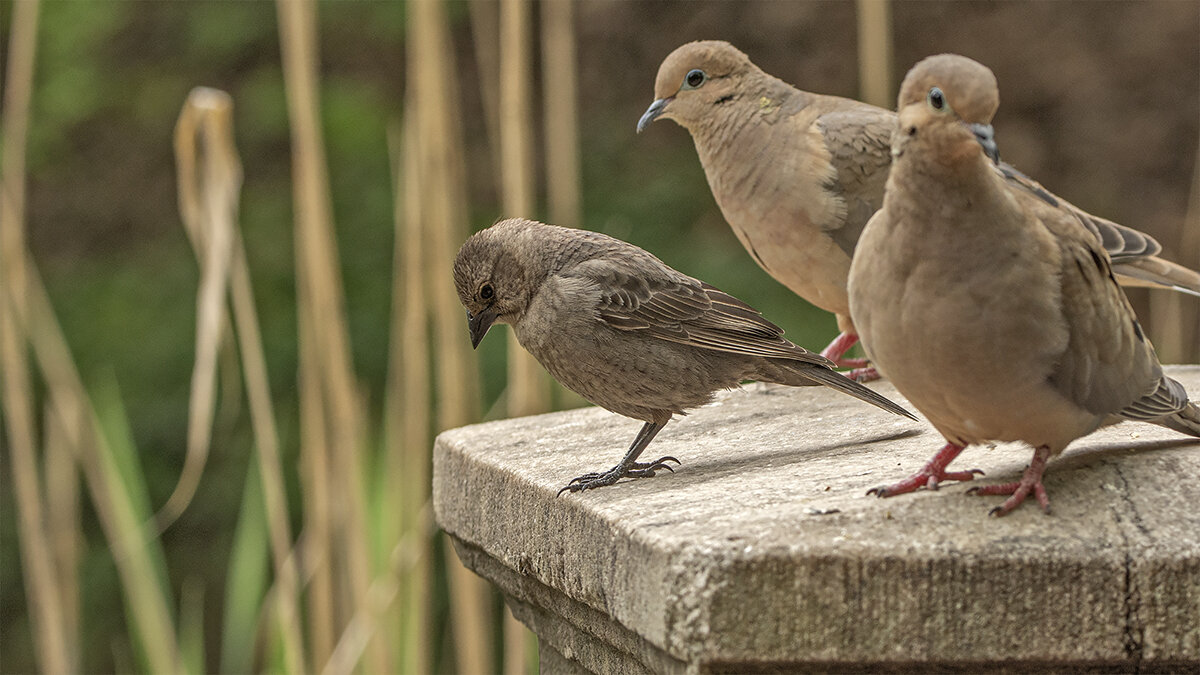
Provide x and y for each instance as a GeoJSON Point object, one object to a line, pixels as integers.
{"type": "Point", "coordinates": [589, 481]}
{"type": "Point", "coordinates": [862, 375]}
{"type": "Point", "coordinates": [861, 370]}
{"type": "Point", "coordinates": [1018, 491]}
{"type": "Point", "coordinates": [930, 475]}
{"type": "Point", "coordinates": [922, 479]}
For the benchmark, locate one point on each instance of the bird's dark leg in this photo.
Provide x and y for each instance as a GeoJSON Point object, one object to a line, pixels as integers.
{"type": "Point", "coordinates": [1031, 481]}
{"type": "Point", "coordinates": [930, 475]}
{"type": "Point", "coordinates": [629, 466]}
{"type": "Point", "coordinates": [862, 369]}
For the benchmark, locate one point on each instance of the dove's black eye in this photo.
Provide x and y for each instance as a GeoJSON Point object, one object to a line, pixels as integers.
{"type": "Point", "coordinates": [486, 292]}
{"type": "Point", "coordinates": [695, 78]}
{"type": "Point", "coordinates": [937, 100]}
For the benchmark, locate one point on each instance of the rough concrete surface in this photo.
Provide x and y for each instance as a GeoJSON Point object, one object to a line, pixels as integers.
{"type": "Point", "coordinates": [763, 552]}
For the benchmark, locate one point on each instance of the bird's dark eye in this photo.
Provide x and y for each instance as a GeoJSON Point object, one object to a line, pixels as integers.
{"type": "Point", "coordinates": [937, 100]}
{"type": "Point", "coordinates": [486, 292]}
{"type": "Point", "coordinates": [695, 78]}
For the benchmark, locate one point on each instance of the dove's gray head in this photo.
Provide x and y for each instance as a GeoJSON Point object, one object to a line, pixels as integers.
{"type": "Point", "coordinates": [496, 276]}
{"type": "Point", "coordinates": [946, 105]}
{"type": "Point", "coordinates": [694, 80]}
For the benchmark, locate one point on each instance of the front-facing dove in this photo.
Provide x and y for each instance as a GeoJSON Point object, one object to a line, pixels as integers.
{"type": "Point", "coordinates": [625, 331]}
{"type": "Point", "coordinates": [994, 311]}
{"type": "Point", "coordinates": [797, 175]}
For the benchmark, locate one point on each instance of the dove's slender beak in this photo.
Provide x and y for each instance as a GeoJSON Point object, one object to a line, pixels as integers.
{"type": "Point", "coordinates": [986, 135]}
{"type": "Point", "coordinates": [653, 112]}
{"type": "Point", "coordinates": [479, 324]}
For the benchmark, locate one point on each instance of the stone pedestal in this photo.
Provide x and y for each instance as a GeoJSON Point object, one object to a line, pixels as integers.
{"type": "Point", "coordinates": [762, 552]}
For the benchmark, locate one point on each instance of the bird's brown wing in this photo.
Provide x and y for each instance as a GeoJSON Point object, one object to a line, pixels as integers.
{"type": "Point", "coordinates": [858, 138]}
{"type": "Point", "coordinates": [1134, 254]}
{"type": "Point", "coordinates": [675, 307]}
{"type": "Point", "coordinates": [1108, 366]}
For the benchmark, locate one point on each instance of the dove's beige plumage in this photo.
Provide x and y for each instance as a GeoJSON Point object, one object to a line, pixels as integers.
{"type": "Point", "coordinates": [994, 310]}
{"type": "Point", "coordinates": [797, 175]}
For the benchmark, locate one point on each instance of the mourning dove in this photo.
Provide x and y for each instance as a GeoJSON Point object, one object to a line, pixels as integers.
{"type": "Point", "coordinates": [625, 331]}
{"type": "Point", "coordinates": [797, 175]}
{"type": "Point", "coordinates": [993, 308]}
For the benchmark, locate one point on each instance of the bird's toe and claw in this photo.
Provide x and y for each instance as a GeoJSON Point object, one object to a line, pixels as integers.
{"type": "Point", "coordinates": [1031, 482]}
{"type": "Point", "coordinates": [1017, 492]}
{"type": "Point", "coordinates": [864, 374]}
{"type": "Point", "coordinates": [860, 369]}
{"type": "Point", "coordinates": [930, 475]}
{"type": "Point", "coordinates": [593, 480]}
{"type": "Point", "coordinates": [925, 478]}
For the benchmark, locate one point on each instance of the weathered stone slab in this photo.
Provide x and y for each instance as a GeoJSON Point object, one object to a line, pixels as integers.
{"type": "Point", "coordinates": [763, 552]}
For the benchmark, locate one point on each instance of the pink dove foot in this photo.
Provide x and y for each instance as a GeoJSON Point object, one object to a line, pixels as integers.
{"type": "Point", "coordinates": [1018, 491]}
{"type": "Point", "coordinates": [930, 475]}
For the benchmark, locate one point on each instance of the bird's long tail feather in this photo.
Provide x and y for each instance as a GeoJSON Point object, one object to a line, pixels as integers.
{"type": "Point", "coordinates": [1155, 272]}
{"type": "Point", "coordinates": [836, 380]}
{"type": "Point", "coordinates": [1186, 421]}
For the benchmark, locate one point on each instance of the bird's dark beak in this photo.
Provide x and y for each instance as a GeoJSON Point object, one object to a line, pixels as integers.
{"type": "Point", "coordinates": [653, 112]}
{"type": "Point", "coordinates": [479, 324]}
{"type": "Point", "coordinates": [986, 135]}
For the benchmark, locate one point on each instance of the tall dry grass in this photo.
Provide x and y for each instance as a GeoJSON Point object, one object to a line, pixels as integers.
{"type": "Point", "coordinates": [44, 591]}
{"type": "Point", "coordinates": [408, 418]}
{"type": "Point", "coordinates": [77, 424]}
{"type": "Point", "coordinates": [441, 178]}
{"type": "Point", "coordinates": [528, 390]}
{"type": "Point", "coordinates": [875, 53]}
{"type": "Point", "coordinates": [564, 205]}
{"type": "Point", "coordinates": [352, 590]}
{"type": "Point", "coordinates": [209, 182]}
{"type": "Point", "coordinates": [1175, 320]}
{"type": "Point", "coordinates": [333, 440]}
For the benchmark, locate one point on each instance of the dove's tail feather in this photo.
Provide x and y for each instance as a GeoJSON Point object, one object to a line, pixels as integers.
{"type": "Point", "coordinates": [1152, 272]}
{"type": "Point", "coordinates": [1186, 421]}
{"type": "Point", "coordinates": [801, 374]}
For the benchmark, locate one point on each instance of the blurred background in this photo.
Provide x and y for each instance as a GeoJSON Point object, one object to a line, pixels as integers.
{"type": "Point", "coordinates": [218, 415]}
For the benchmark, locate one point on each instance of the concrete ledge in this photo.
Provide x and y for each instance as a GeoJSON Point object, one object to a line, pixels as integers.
{"type": "Point", "coordinates": [762, 552]}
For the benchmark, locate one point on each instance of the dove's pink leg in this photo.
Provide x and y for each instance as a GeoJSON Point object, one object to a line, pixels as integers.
{"type": "Point", "coordinates": [862, 370]}
{"type": "Point", "coordinates": [1030, 482]}
{"type": "Point", "coordinates": [930, 475]}
{"type": "Point", "coordinates": [840, 345]}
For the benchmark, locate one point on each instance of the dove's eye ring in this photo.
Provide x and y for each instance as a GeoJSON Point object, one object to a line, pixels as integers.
{"type": "Point", "coordinates": [695, 78]}
{"type": "Point", "coordinates": [486, 292]}
{"type": "Point", "coordinates": [936, 99]}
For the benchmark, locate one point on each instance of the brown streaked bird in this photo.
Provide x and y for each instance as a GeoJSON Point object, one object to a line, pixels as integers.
{"type": "Point", "coordinates": [995, 311]}
{"type": "Point", "coordinates": [625, 331]}
{"type": "Point", "coordinates": [797, 175]}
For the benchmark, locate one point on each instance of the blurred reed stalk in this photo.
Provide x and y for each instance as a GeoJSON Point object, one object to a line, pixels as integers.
{"type": "Point", "coordinates": [561, 110]}
{"type": "Point", "coordinates": [208, 196]}
{"type": "Point", "coordinates": [1175, 318]}
{"type": "Point", "coordinates": [528, 390]}
{"type": "Point", "coordinates": [485, 34]}
{"type": "Point", "coordinates": [45, 596]}
{"type": "Point", "coordinates": [875, 55]}
{"type": "Point", "coordinates": [63, 520]}
{"type": "Point", "coordinates": [408, 415]}
{"type": "Point", "coordinates": [560, 107]}
{"type": "Point", "coordinates": [105, 455]}
{"type": "Point", "coordinates": [442, 182]}
{"type": "Point", "coordinates": [331, 435]}
{"type": "Point", "coordinates": [117, 488]}
{"type": "Point", "coordinates": [209, 183]}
